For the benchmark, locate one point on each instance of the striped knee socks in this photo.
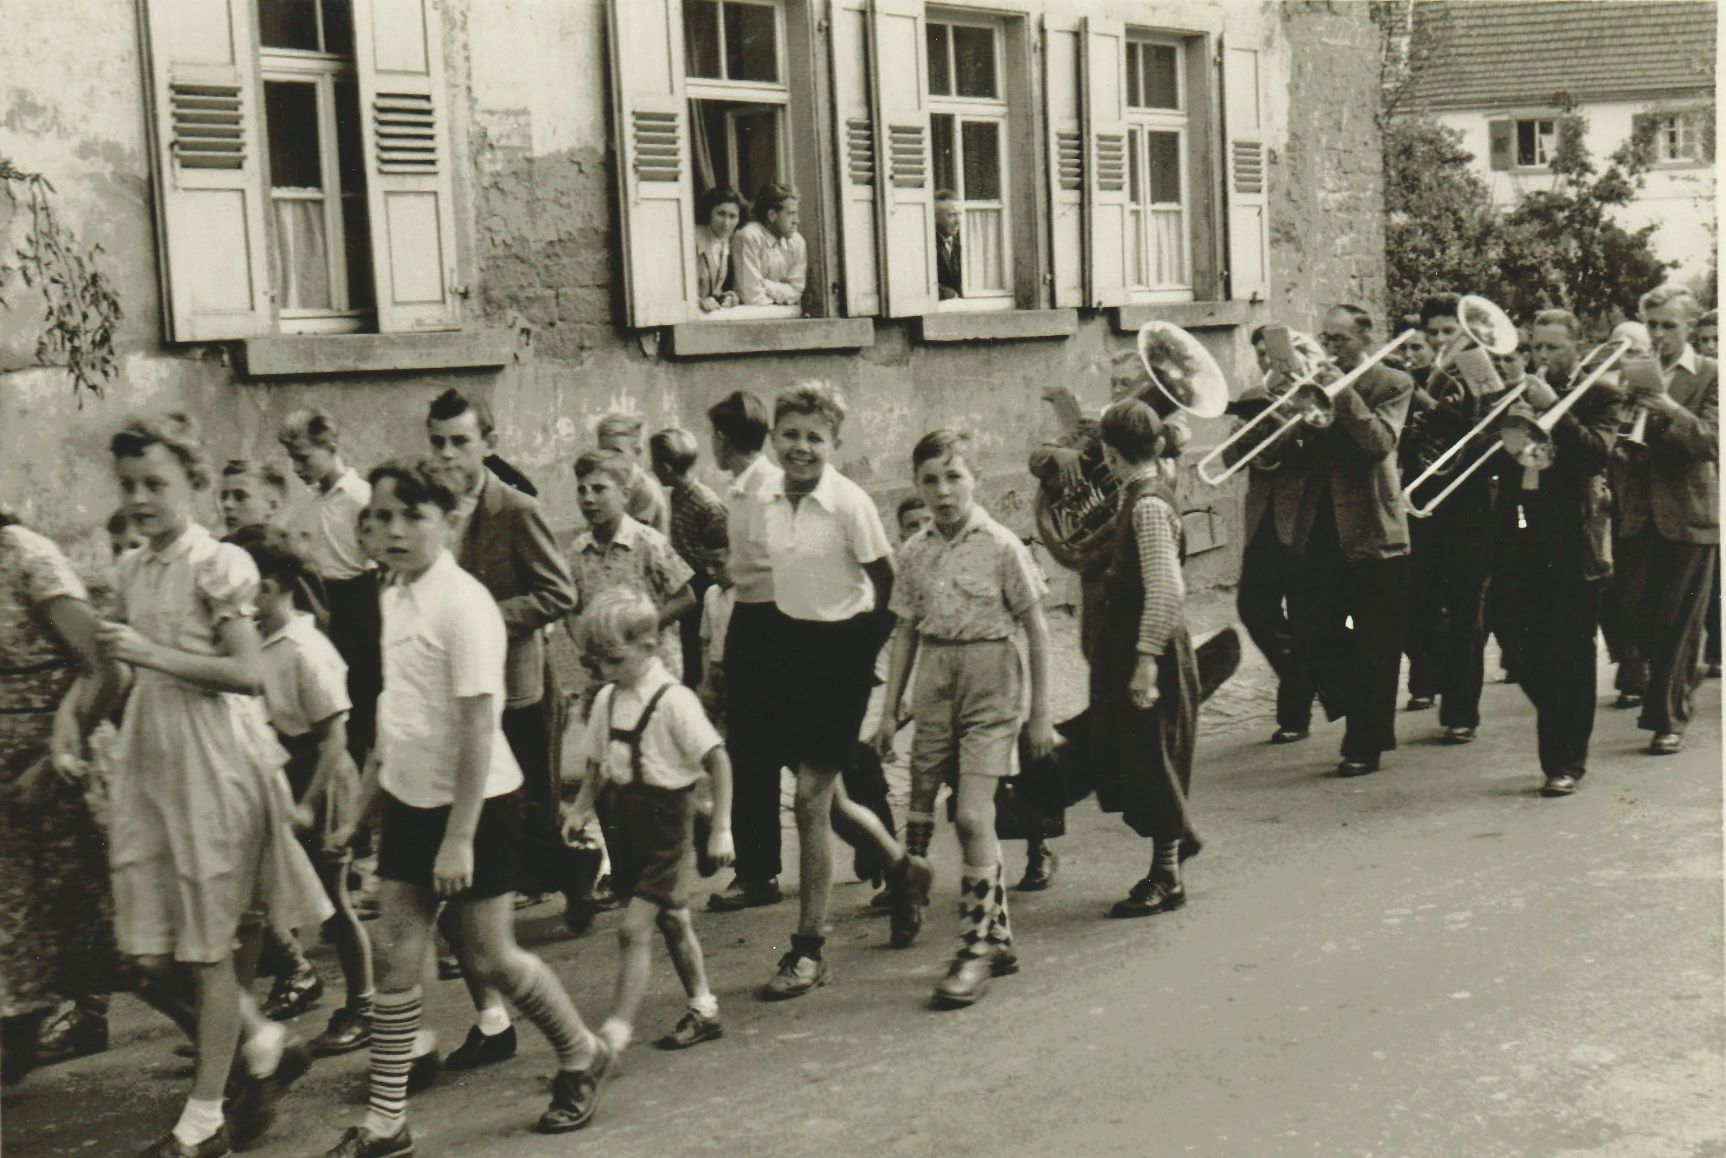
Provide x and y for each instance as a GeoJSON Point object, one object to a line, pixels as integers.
{"type": "Point", "coordinates": [395, 1021]}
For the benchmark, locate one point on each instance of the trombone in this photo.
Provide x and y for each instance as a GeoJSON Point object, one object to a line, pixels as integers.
{"type": "Point", "coordinates": [1486, 330]}
{"type": "Point", "coordinates": [1528, 438]}
{"type": "Point", "coordinates": [1293, 355]}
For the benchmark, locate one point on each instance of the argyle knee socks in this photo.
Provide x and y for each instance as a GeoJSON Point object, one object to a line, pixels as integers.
{"type": "Point", "coordinates": [1000, 927]}
{"type": "Point", "coordinates": [982, 902]}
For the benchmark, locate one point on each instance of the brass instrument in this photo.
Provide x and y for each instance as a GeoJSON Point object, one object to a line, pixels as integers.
{"type": "Point", "coordinates": [1641, 371]}
{"type": "Point", "coordinates": [1077, 525]}
{"type": "Point", "coordinates": [1466, 363]}
{"type": "Point", "coordinates": [1295, 361]}
{"type": "Point", "coordinates": [1528, 438]}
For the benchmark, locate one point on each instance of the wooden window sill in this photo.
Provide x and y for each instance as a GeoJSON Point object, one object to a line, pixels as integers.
{"type": "Point", "coordinates": [719, 339]}
{"type": "Point", "coordinates": [306, 355]}
{"type": "Point", "coordinates": [997, 325]}
{"type": "Point", "coordinates": [1188, 315]}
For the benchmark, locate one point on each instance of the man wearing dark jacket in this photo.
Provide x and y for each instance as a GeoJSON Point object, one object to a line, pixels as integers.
{"type": "Point", "coordinates": [1356, 532]}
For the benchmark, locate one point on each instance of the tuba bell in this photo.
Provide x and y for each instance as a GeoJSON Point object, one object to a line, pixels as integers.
{"type": "Point", "coordinates": [1077, 525]}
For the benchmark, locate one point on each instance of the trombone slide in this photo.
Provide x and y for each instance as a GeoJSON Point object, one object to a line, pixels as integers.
{"type": "Point", "coordinates": [1421, 510]}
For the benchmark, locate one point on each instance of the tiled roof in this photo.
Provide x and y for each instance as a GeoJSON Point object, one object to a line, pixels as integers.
{"type": "Point", "coordinates": [1496, 52]}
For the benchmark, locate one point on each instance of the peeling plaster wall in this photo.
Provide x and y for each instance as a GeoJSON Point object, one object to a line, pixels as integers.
{"type": "Point", "coordinates": [537, 208]}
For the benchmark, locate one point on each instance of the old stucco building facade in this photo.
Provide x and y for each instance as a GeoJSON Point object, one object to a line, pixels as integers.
{"type": "Point", "coordinates": [547, 303]}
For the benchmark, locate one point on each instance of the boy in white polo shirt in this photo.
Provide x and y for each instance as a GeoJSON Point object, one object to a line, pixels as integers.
{"type": "Point", "coordinates": [450, 795]}
{"type": "Point", "coordinates": [832, 575]}
{"type": "Point", "coordinates": [647, 743]}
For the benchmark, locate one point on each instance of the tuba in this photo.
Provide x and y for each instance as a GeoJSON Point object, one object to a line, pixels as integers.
{"type": "Point", "coordinates": [1077, 524]}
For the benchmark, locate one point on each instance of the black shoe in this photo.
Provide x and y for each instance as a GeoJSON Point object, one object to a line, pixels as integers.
{"type": "Point", "coordinates": [75, 1033]}
{"type": "Point", "coordinates": [1418, 704]}
{"type": "Point", "coordinates": [347, 1031]}
{"type": "Point", "coordinates": [797, 975]}
{"type": "Point", "coordinates": [744, 894]}
{"type": "Point", "coordinates": [1289, 735]}
{"type": "Point", "coordinates": [1157, 893]}
{"type": "Point", "coordinates": [481, 1049]}
{"type": "Point", "coordinates": [691, 1029]}
{"type": "Point", "coordinates": [575, 1093]}
{"type": "Point", "coordinates": [1560, 785]}
{"type": "Point", "coordinates": [356, 1143]}
{"type": "Point", "coordinates": [252, 1109]}
{"type": "Point", "coordinates": [215, 1146]}
{"type": "Point", "coordinates": [423, 1072]}
{"type": "Point", "coordinates": [1666, 744]}
{"type": "Point", "coordinates": [1628, 700]}
{"type": "Point", "coordinates": [294, 994]}
{"type": "Point", "coordinates": [966, 983]}
{"type": "Point", "coordinates": [1357, 767]}
{"type": "Point", "coordinates": [1457, 736]}
{"type": "Point", "coordinates": [1040, 871]}
{"type": "Point", "coordinates": [1005, 962]}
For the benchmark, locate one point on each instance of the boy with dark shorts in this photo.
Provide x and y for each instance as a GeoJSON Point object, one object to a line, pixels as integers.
{"type": "Point", "coordinates": [450, 796]}
{"type": "Point", "coordinates": [647, 743]}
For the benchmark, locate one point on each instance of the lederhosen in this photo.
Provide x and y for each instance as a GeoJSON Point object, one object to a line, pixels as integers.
{"type": "Point", "coordinates": [647, 829]}
{"type": "Point", "coordinates": [1144, 757]}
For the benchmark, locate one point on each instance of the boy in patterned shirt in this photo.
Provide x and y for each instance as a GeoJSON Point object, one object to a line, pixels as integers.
{"type": "Point", "coordinates": [965, 586]}
{"type": "Point", "coordinates": [695, 512]}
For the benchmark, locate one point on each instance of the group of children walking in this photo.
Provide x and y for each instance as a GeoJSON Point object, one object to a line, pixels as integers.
{"type": "Point", "coordinates": [256, 750]}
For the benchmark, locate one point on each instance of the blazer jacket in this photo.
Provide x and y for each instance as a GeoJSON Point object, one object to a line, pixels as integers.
{"type": "Point", "coordinates": [950, 271]}
{"type": "Point", "coordinates": [1573, 501]}
{"type": "Point", "coordinates": [509, 549]}
{"type": "Point", "coordinates": [1283, 490]}
{"type": "Point", "coordinates": [1358, 453]}
{"type": "Point", "coordinates": [1675, 481]}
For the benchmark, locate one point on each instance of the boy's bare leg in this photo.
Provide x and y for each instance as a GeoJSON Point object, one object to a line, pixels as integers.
{"type": "Point", "coordinates": [635, 946]}
{"type": "Point", "coordinates": [686, 956]}
{"type": "Point", "coordinates": [815, 787]}
{"type": "Point", "coordinates": [487, 927]}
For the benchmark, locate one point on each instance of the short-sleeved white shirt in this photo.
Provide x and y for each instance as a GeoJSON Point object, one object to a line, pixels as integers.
{"type": "Point", "coordinates": [443, 641]}
{"type": "Point", "coordinates": [327, 527]}
{"type": "Point", "coordinates": [716, 608]}
{"type": "Point", "coordinates": [678, 738]}
{"type": "Point", "coordinates": [818, 550]}
{"type": "Point", "coordinates": [305, 677]}
{"type": "Point", "coordinates": [751, 572]}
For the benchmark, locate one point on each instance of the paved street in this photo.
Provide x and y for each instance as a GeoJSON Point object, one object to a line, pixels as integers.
{"type": "Point", "coordinates": [1428, 961]}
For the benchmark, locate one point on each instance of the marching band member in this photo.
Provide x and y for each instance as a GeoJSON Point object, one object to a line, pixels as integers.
{"type": "Point", "coordinates": [1273, 591]}
{"type": "Point", "coordinates": [1552, 554]}
{"type": "Point", "coordinates": [1447, 591]}
{"type": "Point", "coordinates": [1357, 534]}
{"type": "Point", "coordinates": [1706, 339]}
{"type": "Point", "coordinates": [1668, 522]}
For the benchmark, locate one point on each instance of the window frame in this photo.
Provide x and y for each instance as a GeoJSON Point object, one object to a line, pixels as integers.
{"type": "Point", "coordinates": [1541, 145]}
{"type": "Point", "coordinates": [1688, 124]}
{"type": "Point", "coordinates": [997, 111]}
{"type": "Point", "coordinates": [1141, 121]}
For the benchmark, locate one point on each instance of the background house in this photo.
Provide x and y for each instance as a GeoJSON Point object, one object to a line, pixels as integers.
{"type": "Point", "coordinates": [356, 203]}
{"type": "Point", "coordinates": [1499, 73]}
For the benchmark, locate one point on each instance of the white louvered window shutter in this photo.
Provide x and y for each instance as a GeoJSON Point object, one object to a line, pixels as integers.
{"type": "Point", "coordinates": [654, 188]}
{"type": "Point", "coordinates": [1066, 143]}
{"type": "Point", "coordinates": [208, 170]}
{"type": "Point", "coordinates": [1247, 180]}
{"type": "Point", "coordinates": [410, 198]}
{"type": "Point", "coordinates": [1105, 163]}
{"type": "Point", "coordinates": [898, 57]}
{"type": "Point", "coordinates": [859, 237]}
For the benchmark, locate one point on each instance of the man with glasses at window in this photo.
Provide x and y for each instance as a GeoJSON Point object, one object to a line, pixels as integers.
{"type": "Point", "coordinates": [1668, 523]}
{"type": "Point", "coordinates": [949, 264]}
{"type": "Point", "coordinates": [771, 259]}
{"type": "Point", "coordinates": [1357, 535]}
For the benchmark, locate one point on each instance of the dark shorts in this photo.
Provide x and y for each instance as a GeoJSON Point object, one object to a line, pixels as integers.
{"type": "Point", "coordinates": [410, 839]}
{"type": "Point", "coordinates": [827, 673]}
{"type": "Point", "coordinates": [649, 833]}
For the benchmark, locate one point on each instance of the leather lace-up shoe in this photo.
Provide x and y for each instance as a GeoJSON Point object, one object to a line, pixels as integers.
{"type": "Point", "coordinates": [1458, 735]}
{"type": "Point", "coordinates": [423, 1072]}
{"type": "Point", "coordinates": [1628, 700]}
{"type": "Point", "coordinates": [1040, 871]}
{"type": "Point", "coordinates": [252, 1110]}
{"type": "Point", "coordinates": [1357, 767]}
{"type": "Point", "coordinates": [744, 894]}
{"type": "Point", "coordinates": [797, 975]}
{"type": "Point", "coordinates": [691, 1029]}
{"type": "Point", "coordinates": [1666, 744]}
{"type": "Point", "coordinates": [75, 1033]}
{"type": "Point", "coordinates": [1157, 893]}
{"type": "Point", "coordinates": [1560, 785]}
{"type": "Point", "coordinates": [215, 1146]}
{"type": "Point", "coordinates": [357, 1143]}
{"type": "Point", "coordinates": [347, 1031]}
{"type": "Point", "coordinates": [1289, 735]}
{"type": "Point", "coordinates": [966, 983]}
{"type": "Point", "coordinates": [1418, 704]}
{"type": "Point", "coordinates": [575, 1093]}
{"type": "Point", "coordinates": [293, 995]}
{"type": "Point", "coordinates": [481, 1049]}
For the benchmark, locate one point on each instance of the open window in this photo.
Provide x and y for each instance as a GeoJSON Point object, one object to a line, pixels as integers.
{"type": "Point", "coordinates": [711, 94]}
{"type": "Point", "coordinates": [969, 143]}
{"type": "Point", "coordinates": [302, 167]}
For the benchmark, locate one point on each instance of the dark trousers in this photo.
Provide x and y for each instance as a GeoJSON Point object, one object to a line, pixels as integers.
{"type": "Point", "coordinates": [1270, 598]}
{"type": "Point", "coordinates": [1361, 663]}
{"type": "Point", "coordinates": [356, 628]}
{"type": "Point", "coordinates": [689, 631]}
{"type": "Point", "coordinates": [1662, 591]}
{"type": "Point", "coordinates": [1426, 628]}
{"type": "Point", "coordinates": [753, 665]}
{"type": "Point", "coordinates": [1711, 643]}
{"type": "Point", "coordinates": [1446, 640]}
{"type": "Point", "coordinates": [534, 734]}
{"type": "Point", "coordinates": [1552, 617]}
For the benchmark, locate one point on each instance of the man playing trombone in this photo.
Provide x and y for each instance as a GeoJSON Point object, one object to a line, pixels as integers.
{"type": "Point", "coordinates": [1666, 483]}
{"type": "Point", "coordinates": [1552, 554]}
{"type": "Point", "coordinates": [1357, 536]}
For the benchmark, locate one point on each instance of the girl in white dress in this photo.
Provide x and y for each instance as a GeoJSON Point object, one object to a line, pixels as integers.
{"type": "Point", "coordinates": [200, 807]}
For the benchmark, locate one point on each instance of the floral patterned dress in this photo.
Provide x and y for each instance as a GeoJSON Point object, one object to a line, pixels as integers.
{"type": "Point", "coordinates": [56, 932]}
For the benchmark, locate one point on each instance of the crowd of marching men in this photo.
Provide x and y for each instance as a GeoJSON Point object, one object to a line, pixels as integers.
{"type": "Point", "coordinates": [198, 758]}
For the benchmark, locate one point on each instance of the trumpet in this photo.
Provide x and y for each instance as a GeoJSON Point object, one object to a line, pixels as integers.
{"type": "Point", "coordinates": [1486, 330]}
{"type": "Point", "coordinates": [1528, 438]}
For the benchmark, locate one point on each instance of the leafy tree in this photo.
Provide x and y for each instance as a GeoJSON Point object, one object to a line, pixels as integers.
{"type": "Point", "coordinates": [1440, 228]}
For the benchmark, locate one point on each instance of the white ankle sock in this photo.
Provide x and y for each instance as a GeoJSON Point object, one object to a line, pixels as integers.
{"type": "Point", "coordinates": [379, 1126]}
{"type": "Point", "coordinates": [263, 1050]}
{"type": "Point", "coordinates": [705, 1004]}
{"type": "Point", "coordinates": [198, 1121]}
{"type": "Point", "coordinates": [425, 1042]}
{"type": "Point", "coordinates": [616, 1033]}
{"type": "Point", "coordinates": [493, 1019]}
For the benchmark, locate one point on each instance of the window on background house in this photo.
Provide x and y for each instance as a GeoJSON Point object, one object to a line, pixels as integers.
{"type": "Point", "coordinates": [737, 93]}
{"type": "Point", "coordinates": [1535, 142]}
{"type": "Point", "coordinates": [1159, 237]}
{"type": "Point", "coordinates": [302, 167]}
{"type": "Point", "coordinates": [968, 142]}
{"type": "Point", "coordinates": [1678, 138]}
